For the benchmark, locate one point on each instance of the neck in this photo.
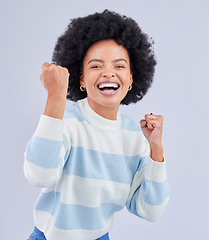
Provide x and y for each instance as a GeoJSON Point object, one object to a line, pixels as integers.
{"type": "Point", "coordinates": [104, 111]}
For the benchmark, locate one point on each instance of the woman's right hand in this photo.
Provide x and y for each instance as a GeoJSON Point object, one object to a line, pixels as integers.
{"type": "Point", "coordinates": [55, 79]}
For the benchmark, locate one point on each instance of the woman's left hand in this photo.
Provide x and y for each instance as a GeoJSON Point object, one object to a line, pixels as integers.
{"type": "Point", "coordinates": [152, 127]}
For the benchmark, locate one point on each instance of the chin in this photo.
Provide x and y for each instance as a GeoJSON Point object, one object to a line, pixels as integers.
{"type": "Point", "coordinates": [111, 103]}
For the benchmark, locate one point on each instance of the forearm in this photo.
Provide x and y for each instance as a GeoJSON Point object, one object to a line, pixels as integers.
{"type": "Point", "coordinates": [150, 191]}
{"type": "Point", "coordinates": [155, 191]}
{"type": "Point", "coordinates": [156, 152]}
{"type": "Point", "coordinates": [45, 152]}
{"type": "Point", "coordinates": [55, 106]}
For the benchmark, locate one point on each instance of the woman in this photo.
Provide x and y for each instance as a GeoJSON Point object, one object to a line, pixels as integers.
{"type": "Point", "coordinates": [90, 160]}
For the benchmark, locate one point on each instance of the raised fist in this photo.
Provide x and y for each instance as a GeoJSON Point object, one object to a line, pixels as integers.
{"type": "Point", "coordinates": [55, 79]}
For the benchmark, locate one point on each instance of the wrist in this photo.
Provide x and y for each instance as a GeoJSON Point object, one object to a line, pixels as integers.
{"type": "Point", "coordinates": [55, 106]}
{"type": "Point", "coordinates": [56, 96]}
{"type": "Point", "coordinates": [156, 153]}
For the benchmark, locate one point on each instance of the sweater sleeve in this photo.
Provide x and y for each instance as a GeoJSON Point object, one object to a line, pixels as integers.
{"type": "Point", "coordinates": [149, 192]}
{"type": "Point", "coordinates": [46, 152]}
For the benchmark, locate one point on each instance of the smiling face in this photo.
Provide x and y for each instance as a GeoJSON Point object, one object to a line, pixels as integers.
{"type": "Point", "coordinates": [106, 77]}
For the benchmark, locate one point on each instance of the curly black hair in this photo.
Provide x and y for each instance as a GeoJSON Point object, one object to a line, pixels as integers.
{"type": "Point", "coordinates": [81, 33]}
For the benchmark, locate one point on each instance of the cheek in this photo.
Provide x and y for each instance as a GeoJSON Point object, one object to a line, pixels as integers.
{"type": "Point", "coordinates": [91, 77]}
{"type": "Point", "coordinates": [126, 78]}
{"type": "Point", "coordinates": [89, 83]}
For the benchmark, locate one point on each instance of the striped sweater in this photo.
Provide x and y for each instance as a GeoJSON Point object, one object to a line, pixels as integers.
{"type": "Point", "coordinates": [89, 168]}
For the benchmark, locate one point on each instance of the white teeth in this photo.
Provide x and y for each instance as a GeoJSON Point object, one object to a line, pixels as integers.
{"type": "Point", "coordinates": [106, 85]}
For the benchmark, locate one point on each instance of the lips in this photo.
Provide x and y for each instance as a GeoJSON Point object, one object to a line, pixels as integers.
{"type": "Point", "coordinates": [108, 87]}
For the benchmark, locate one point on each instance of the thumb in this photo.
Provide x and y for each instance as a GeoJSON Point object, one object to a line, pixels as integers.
{"type": "Point", "coordinates": [143, 123]}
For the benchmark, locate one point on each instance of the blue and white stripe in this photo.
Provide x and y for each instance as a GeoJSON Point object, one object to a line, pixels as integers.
{"type": "Point", "coordinates": [90, 168]}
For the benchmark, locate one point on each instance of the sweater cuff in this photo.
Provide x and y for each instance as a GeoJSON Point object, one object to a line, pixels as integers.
{"type": "Point", "coordinates": [155, 171]}
{"type": "Point", "coordinates": [50, 128]}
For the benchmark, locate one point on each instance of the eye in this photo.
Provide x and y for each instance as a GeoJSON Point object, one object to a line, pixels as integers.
{"type": "Point", "coordinates": [95, 66]}
{"type": "Point", "coordinates": [120, 66]}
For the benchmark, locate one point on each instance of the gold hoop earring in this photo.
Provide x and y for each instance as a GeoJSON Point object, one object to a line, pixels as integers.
{"type": "Point", "coordinates": [130, 87]}
{"type": "Point", "coordinates": [82, 88]}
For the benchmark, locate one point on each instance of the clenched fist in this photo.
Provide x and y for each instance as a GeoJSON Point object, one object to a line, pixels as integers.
{"type": "Point", "coordinates": [55, 79]}
{"type": "Point", "coordinates": [152, 127]}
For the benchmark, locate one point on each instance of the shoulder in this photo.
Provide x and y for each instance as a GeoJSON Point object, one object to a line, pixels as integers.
{"type": "Point", "coordinates": [133, 136]}
{"type": "Point", "coordinates": [129, 124]}
{"type": "Point", "coordinates": [72, 110]}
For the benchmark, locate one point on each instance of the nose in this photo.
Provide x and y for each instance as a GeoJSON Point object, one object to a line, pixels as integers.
{"type": "Point", "coordinates": [108, 73]}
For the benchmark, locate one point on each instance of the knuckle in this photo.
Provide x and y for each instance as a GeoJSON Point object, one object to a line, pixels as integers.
{"type": "Point", "coordinates": [45, 67]}
{"type": "Point", "coordinates": [66, 70]}
{"type": "Point", "coordinates": [161, 118]}
{"type": "Point", "coordinates": [45, 64]}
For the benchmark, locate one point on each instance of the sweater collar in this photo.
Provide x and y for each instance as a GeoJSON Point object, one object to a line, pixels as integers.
{"type": "Point", "coordinates": [96, 120]}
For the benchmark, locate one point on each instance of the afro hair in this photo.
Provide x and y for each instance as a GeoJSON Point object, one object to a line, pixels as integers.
{"type": "Point", "coordinates": [81, 33]}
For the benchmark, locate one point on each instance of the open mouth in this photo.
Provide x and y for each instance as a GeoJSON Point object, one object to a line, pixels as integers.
{"type": "Point", "coordinates": [108, 88]}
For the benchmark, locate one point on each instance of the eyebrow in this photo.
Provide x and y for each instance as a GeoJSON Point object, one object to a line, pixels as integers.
{"type": "Point", "coordinates": [99, 60]}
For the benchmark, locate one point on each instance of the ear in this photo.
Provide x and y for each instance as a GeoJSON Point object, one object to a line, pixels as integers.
{"type": "Point", "coordinates": [131, 77]}
{"type": "Point", "coordinates": [82, 83]}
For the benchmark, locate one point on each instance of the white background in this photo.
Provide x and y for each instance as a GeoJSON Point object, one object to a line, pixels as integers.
{"type": "Point", "coordinates": [180, 29]}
